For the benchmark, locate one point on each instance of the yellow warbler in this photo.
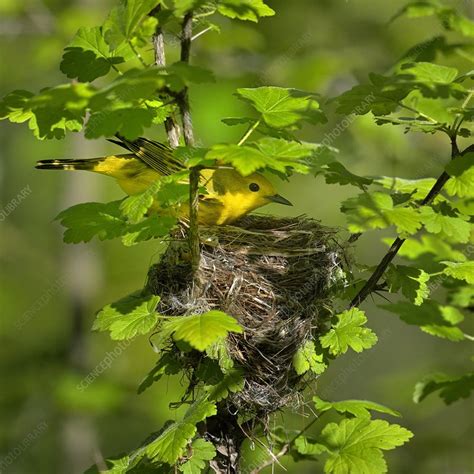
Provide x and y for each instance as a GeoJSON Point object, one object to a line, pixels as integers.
{"type": "Point", "coordinates": [229, 194]}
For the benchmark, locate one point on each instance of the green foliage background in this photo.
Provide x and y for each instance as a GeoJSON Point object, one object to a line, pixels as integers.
{"type": "Point", "coordinates": [50, 292]}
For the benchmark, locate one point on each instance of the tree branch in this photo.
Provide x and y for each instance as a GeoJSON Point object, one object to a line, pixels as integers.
{"type": "Point", "coordinates": [183, 100]}
{"type": "Point", "coordinates": [171, 126]}
{"type": "Point", "coordinates": [183, 103]}
{"type": "Point", "coordinates": [371, 284]}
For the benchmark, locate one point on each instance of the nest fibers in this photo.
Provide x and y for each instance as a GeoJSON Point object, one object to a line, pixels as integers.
{"type": "Point", "coordinates": [274, 276]}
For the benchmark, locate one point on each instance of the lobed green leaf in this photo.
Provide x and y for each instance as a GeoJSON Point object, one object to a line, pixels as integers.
{"type": "Point", "coordinates": [283, 108]}
{"type": "Point", "coordinates": [349, 332]}
{"type": "Point", "coordinates": [250, 10]}
{"type": "Point", "coordinates": [450, 388]}
{"type": "Point", "coordinates": [128, 317]}
{"type": "Point", "coordinates": [201, 330]}
{"type": "Point", "coordinates": [357, 408]}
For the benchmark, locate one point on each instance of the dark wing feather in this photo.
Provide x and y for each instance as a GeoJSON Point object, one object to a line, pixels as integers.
{"type": "Point", "coordinates": [154, 154]}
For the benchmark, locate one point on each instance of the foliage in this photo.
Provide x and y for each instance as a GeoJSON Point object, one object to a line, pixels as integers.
{"type": "Point", "coordinates": [450, 388]}
{"type": "Point", "coordinates": [347, 332]}
{"type": "Point", "coordinates": [355, 444]}
{"type": "Point", "coordinates": [117, 90]}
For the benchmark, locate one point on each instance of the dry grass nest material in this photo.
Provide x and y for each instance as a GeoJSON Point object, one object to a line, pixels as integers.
{"type": "Point", "coordinates": [274, 275]}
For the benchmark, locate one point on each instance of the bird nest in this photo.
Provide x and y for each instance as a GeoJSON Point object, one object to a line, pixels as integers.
{"type": "Point", "coordinates": [275, 276]}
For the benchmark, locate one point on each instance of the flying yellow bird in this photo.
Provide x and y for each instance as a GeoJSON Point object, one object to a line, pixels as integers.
{"type": "Point", "coordinates": [230, 195]}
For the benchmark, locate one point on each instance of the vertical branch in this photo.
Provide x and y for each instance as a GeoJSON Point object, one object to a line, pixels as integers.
{"type": "Point", "coordinates": [171, 126]}
{"type": "Point", "coordinates": [372, 282]}
{"type": "Point", "coordinates": [186, 38]}
{"type": "Point", "coordinates": [193, 233]}
{"type": "Point", "coordinates": [183, 102]}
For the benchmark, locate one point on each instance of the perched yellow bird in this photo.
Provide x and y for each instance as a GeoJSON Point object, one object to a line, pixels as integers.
{"type": "Point", "coordinates": [229, 194]}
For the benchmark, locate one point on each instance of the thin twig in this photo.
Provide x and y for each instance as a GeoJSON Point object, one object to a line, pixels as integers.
{"type": "Point", "coordinates": [171, 126]}
{"type": "Point", "coordinates": [197, 35]}
{"type": "Point", "coordinates": [249, 132]}
{"type": "Point", "coordinates": [372, 282]}
{"type": "Point", "coordinates": [287, 446]}
{"type": "Point", "coordinates": [137, 54]}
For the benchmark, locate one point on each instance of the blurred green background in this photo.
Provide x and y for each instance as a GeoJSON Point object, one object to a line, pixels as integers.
{"type": "Point", "coordinates": [49, 422]}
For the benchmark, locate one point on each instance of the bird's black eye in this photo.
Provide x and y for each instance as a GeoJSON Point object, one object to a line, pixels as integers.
{"type": "Point", "coordinates": [254, 187]}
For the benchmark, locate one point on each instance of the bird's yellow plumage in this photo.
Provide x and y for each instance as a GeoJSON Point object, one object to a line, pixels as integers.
{"type": "Point", "coordinates": [229, 194]}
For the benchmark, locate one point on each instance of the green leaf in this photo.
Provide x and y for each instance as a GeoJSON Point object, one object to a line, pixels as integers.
{"type": "Point", "coordinates": [405, 219]}
{"type": "Point", "coordinates": [307, 358]}
{"type": "Point", "coordinates": [218, 351]}
{"type": "Point", "coordinates": [418, 188]}
{"type": "Point", "coordinates": [133, 87]}
{"type": "Point", "coordinates": [450, 388]}
{"type": "Point", "coordinates": [136, 206]}
{"type": "Point", "coordinates": [283, 108]}
{"type": "Point", "coordinates": [450, 18]}
{"type": "Point", "coordinates": [435, 109]}
{"type": "Point", "coordinates": [247, 159]}
{"type": "Point", "coordinates": [167, 364]}
{"type": "Point", "coordinates": [417, 9]}
{"type": "Point", "coordinates": [460, 270]}
{"type": "Point", "coordinates": [358, 408]}
{"type": "Point", "coordinates": [87, 220]}
{"type": "Point", "coordinates": [376, 210]}
{"type": "Point", "coordinates": [366, 98]}
{"type": "Point", "coordinates": [428, 50]}
{"type": "Point", "coordinates": [106, 221]}
{"type": "Point", "coordinates": [202, 330]}
{"type": "Point", "coordinates": [456, 228]}
{"type": "Point", "coordinates": [50, 113]}
{"type": "Point", "coordinates": [307, 448]}
{"type": "Point", "coordinates": [461, 171]}
{"type": "Point", "coordinates": [114, 466]}
{"type": "Point", "coordinates": [153, 227]}
{"type": "Point", "coordinates": [409, 86]}
{"type": "Point", "coordinates": [167, 191]}
{"type": "Point", "coordinates": [348, 332]}
{"type": "Point", "coordinates": [127, 121]}
{"type": "Point", "coordinates": [430, 73]}
{"type": "Point", "coordinates": [462, 296]}
{"type": "Point", "coordinates": [250, 10]}
{"type": "Point", "coordinates": [431, 317]}
{"type": "Point", "coordinates": [201, 452]}
{"type": "Point", "coordinates": [356, 445]}
{"type": "Point", "coordinates": [125, 19]}
{"type": "Point", "coordinates": [169, 446]}
{"type": "Point", "coordinates": [231, 382]}
{"type": "Point", "coordinates": [88, 56]}
{"type": "Point", "coordinates": [367, 211]}
{"type": "Point", "coordinates": [337, 173]}
{"type": "Point", "coordinates": [412, 282]}
{"type": "Point", "coordinates": [171, 192]}
{"type": "Point", "coordinates": [444, 332]}
{"type": "Point", "coordinates": [14, 106]}
{"type": "Point", "coordinates": [430, 244]}
{"type": "Point", "coordinates": [128, 317]}
{"type": "Point", "coordinates": [181, 7]}
{"type": "Point", "coordinates": [290, 150]}
{"type": "Point", "coordinates": [182, 74]}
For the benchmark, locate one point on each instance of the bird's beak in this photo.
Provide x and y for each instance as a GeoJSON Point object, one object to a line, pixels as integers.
{"type": "Point", "coordinates": [279, 199]}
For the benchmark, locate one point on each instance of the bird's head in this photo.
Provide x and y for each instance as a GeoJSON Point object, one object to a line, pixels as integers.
{"type": "Point", "coordinates": [260, 191]}
{"type": "Point", "coordinates": [243, 194]}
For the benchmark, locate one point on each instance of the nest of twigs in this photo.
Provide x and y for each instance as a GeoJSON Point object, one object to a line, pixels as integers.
{"type": "Point", "coordinates": [274, 275]}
